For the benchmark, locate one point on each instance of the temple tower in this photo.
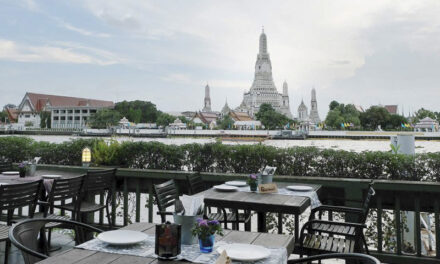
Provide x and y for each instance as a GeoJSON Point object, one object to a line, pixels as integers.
{"type": "Point", "coordinates": [207, 105]}
{"type": "Point", "coordinates": [314, 115]}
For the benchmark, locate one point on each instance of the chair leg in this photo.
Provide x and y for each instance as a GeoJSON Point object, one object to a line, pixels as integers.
{"type": "Point", "coordinates": [365, 244]}
{"type": "Point", "coordinates": [7, 248]}
{"type": "Point", "coordinates": [110, 221]}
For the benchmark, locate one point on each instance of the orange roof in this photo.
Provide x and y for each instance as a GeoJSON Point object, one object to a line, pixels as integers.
{"type": "Point", "coordinates": [12, 114]}
{"type": "Point", "coordinates": [39, 101]}
{"type": "Point", "coordinates": [240, 116]}
{"type": "Point", "coordinates": [206, 117]}
{"type": "Point", "coordinates": [392, 109]}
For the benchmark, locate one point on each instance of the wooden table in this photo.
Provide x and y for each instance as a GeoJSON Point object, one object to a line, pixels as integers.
{"type": "Point", "coordinates": [88, 257]}
{"type": "Point", "coordinates": [261, 203]}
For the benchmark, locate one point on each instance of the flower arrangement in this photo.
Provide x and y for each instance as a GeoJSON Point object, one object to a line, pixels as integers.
{"type": "Point", "coordinates": [252, 181]}
{"type": "Point", "coordinates": [22, 168]}
{"type": "Point", "coordinates": [205, 230]}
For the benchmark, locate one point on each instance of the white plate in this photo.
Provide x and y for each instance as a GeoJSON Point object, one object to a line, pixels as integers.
{"type": "Point", "coordinates": [122, 237]}
{"type": "Point", "coordinates": [236, 183]}
{"type": "Point", "coordinates": [4, 183]}
{"type": "Point", "coordinates": [10, 173]}
{"type": "Point", "coordinates": [48, 176]}
{"type": "Point", "coordinates": [244, 252]}
{"type": "Point", "coordinates": [226, 188]}
{"type": "Point", "coordinates": [301, 188]}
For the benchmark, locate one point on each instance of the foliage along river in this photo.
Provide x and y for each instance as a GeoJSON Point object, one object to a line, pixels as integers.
{"type": "Point", "coordinates": [342, 144]}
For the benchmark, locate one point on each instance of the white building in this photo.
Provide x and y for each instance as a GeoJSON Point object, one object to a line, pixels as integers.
{"type": "Point", "coordinates": [66, 112]}
{"type": "Point", "coordinates": [263, 89]}
{"type": "Point", "coordinates": [314, 115]}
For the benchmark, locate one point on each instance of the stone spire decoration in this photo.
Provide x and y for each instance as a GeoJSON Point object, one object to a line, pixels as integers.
{"type": "Point", "coordinates": [303, 112]}
{"type": "Point", "coordinates": [226, 109]}
{"type": "Point", "coordinates": [314, 115]}
{"type": "Point", "coordinates": [207, 107]}
{"type": "Point", "coordinates": [263, 88]}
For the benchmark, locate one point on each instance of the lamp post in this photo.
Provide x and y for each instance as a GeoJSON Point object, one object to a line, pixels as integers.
{"type": "Point", "coordinates": [86, 156]}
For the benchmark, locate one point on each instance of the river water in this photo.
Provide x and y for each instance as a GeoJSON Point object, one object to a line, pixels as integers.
{"type": "Point", "coordinates": [341, 144]}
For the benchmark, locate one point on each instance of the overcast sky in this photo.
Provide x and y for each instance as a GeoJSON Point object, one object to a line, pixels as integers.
{"type": "Point", "coordinates": [361, 52]}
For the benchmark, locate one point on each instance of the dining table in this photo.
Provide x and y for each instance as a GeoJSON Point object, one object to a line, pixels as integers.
{"type": "Point", "coordinates": [84, 256]}
{"type": "Point", "coordinates": [262, 203]}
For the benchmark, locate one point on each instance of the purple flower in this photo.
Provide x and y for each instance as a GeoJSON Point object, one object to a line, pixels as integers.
{"type": "Point", "coordinates": [199, 220]}
{"type": "Point", "coordinates": [253, 176]}
{"type": "Point", "coordinates": [21, 165]}
{"type": "Point", "coordinates": [213, 222]}
{"type": "Point", "coordinates": [203, 223]}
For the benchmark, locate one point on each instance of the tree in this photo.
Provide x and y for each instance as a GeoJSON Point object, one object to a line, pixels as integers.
{"type": "Point", "coordinates": [104, 118]}
{"type": "Point", "coordinates": [333, 105]}
{"type": "Point", "coordinates": [225, 123]}
{"type": "Point", "coordinates": [3, 116]}
{"type": "Point", "coordinates": [164, 119]}
{"type": "Point", "coordinates": [341, 113]}
{"type": "Point", "coordinates": [138, 111]}
{"type": "Point", "coordinates": [270, 118]}
{"type": "Point", "coordinates": [374, 117]}
{"type": "Point", "coordinates": [45, 118]}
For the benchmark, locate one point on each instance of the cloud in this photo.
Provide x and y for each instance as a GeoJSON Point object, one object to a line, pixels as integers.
{"type": "Point", "coordinates": [13, 51]}
{"type": "Point", "coordinates": [84, 32]}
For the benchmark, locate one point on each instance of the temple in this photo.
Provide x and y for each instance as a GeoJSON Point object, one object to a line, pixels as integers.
{"type": "Point", "coordinates": [263, 89]}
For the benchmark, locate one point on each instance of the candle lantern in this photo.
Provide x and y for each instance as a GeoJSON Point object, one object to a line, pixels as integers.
{"type": "Point", "coordinates": [86, 157]}
{"type": "Point", "coordinates": [168, 240]}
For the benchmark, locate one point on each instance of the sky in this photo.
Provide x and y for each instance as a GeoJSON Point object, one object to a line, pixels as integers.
{"type": "Point", "coordinates": [360, 52]}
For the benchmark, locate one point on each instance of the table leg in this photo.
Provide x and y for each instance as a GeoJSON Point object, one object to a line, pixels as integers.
{"type": "Point", "coordinates": [296, 227]}
{"type": "Point", "coordinates": [280, 223]}
{"type": "Point", "coordinates": [261, 218]}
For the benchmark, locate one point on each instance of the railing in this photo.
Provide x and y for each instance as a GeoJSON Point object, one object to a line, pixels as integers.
{"type": "Point", "coordinates": [391, 196]}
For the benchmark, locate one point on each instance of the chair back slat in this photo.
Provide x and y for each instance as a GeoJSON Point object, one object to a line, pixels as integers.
{"type": "Point", "coordinates": [14, 196]}
{"type": "Point", "coordinates": [63, 189]}
{"type": "Point", "coordinates": [166, 194]}
{"type": "Point", "coordinates": [195, 184]}
{"type": "Point", "coordinates": [99, 180]}
{"type": "Point", "coordinates": [5, 166]}
{"type": "Point", "coordinates": [366, 204]}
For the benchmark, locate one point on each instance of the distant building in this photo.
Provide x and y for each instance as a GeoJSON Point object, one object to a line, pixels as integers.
{"type": "Point", "coordinates": [247, 125]}
{"type": "Point", "coordinates": [359, 108]}
{"type": "Point", "coordinates": [205, 118]}
{"type": "Point", "coordinates": [263, 89]}
{"type": "Point", "coordinates": [314, 115]}
{"type": "Point", "coordinates": [303, 112]}
{"type": "Point", "coordinates": [240, 116]}
{"type": "Point", "coordinates": [207, 100]}
{"type": "Point", "coordinates": [225, 110]}
{"type": "Point", "coordinates": [392, 109]}
{"type": "Point", "coordinates": [66, 112]}
{"type": "Point", "coordinates": [12, 113]}
{"type": "Point", "coordinates": [177, 124]}
{"type": "Point", "coordinates": [427, 124]}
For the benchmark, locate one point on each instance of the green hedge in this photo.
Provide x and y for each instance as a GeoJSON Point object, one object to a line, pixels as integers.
{"type": "Point", "coordinates": [306, 161]}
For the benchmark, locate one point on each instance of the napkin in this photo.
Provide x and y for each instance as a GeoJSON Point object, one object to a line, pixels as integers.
{"type": "Point", "coordinates": [192, 203]}
{"type": "Point", "coordinates": [223, 258]}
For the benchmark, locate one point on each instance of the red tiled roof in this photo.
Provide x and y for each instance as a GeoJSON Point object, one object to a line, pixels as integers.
{"type": "Point", "coordinates": [206, 117]}
{"type": "Point", "coordinates": [392, 109]}
{"type": "Point", "coordinates": [39, 101]}
{"type": "Point", "coordinates": [12, 114]}
{"type": "Point", "coordinates": [240, 116]}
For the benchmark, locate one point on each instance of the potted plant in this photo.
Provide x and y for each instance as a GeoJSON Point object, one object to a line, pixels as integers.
{"type": "Point", "coordinates": [205, 230]}
{"type": "Point", "coordinates": [252, 181]}
{"type": "Point", "coordinates": [22, 167]}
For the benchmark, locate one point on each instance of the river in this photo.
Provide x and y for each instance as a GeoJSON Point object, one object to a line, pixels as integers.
{"type": "Point", "coordinates": [342, 144]}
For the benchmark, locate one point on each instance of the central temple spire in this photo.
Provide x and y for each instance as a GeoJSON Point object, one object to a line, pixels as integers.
{"type": "Point", "coordinates": [263, 43]}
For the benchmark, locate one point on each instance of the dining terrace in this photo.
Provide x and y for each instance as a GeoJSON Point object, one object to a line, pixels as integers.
{"type": "Point", "coordinates": [135, 204]}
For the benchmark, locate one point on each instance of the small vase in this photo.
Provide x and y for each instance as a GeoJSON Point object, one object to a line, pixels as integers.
{"type": "Point", "coordinates": [206, 244]}
{"type": "Point", "coordinates": [253, 186]}
{"type": "Point", "coordinates": [22, 173]}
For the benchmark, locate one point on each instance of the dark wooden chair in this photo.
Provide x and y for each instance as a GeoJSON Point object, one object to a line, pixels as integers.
{"type": "Point", "coordinates": [95, 182]}
{"type": "Point", "coordinates": [362, 258]}
{"type": "Point", "coordinates": [5, 166]}
{"type": "Point", "coordinates": [321, 236]}
{"type": "Point", "coordinates": [12, 197]}
{"type": "Point", "coordinates": [166, 195]}
{"type": "Point", "coordinates": [63, 190]}
{"type": "Point", "coordinates": [25, 234]}
{"type": "Point", "coordinates": [197, 185]}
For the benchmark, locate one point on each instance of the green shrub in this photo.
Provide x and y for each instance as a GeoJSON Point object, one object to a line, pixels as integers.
{"type": "Point", "coordinates": [216, 157]}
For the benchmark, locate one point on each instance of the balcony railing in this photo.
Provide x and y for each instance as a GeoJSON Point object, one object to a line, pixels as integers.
{"type": "Point", "coordinates": [392, 198]}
